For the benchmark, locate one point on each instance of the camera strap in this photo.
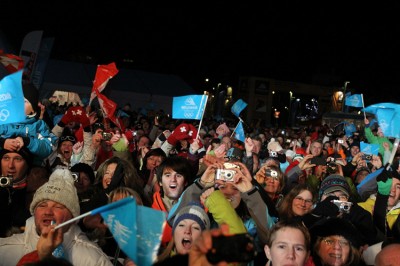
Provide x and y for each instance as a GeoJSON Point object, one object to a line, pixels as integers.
{"type": "Point", "coordinates": [20, 184]}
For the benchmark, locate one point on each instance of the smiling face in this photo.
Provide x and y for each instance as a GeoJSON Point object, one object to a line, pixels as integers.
{"type": "Point", "coordinates": [394, 196]}
{"type": "Point", "coordinates": [172, 183]}
{"type": "Point", "coordinates": [186, 232]}
{"type": "Point", "coordinates": [334, 250]}
{"type": "Point", "coordinates": [302, 203]}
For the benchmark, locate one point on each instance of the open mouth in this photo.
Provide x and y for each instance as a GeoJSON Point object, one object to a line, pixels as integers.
{"type": "Point", "coordinates": [186, 243]}
{"type": "Point", "coordinates": [47, 222]}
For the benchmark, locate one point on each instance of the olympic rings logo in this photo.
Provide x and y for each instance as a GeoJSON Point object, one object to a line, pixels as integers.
{"type": "Point", "coordinates": [4, 114]}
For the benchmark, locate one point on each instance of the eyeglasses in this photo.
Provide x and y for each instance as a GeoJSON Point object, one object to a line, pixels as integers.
{"type": "Point", "coordinates": [306, 201]}
{"type": "Point", "coordinates": [331, 242]}
{"type": "Point", "coordinates": [70, 138]}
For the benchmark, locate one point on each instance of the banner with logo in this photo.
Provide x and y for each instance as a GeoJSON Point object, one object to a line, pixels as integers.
{"type": "Point", "coordinates": [189, 107]}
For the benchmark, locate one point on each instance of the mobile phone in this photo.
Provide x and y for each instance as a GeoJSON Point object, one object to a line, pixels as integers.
{"type": "Point", "coordinates": [340, 141]}
{"type": "Point", "coordinates": [233, 248]}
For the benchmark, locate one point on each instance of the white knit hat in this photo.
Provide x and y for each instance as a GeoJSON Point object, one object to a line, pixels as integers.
{"type": "Point", "coordinates": [273, 145]}
{"type": "Point", "coordinates": [60, 188]}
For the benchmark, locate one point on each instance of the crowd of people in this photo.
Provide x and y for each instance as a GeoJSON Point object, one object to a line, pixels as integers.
{"type": "Point", "coordinates": [304, 196]}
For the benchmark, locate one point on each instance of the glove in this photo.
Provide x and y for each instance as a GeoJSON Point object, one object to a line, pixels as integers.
{"type": "Point", "coordinates": [327, 208]}
{"type": "Point", "coordinates": [117, 179]}
{"type": "Point", "coordinates": [384, 180]}
{"type": "Point", "coordinates": [82, 116]}
{"type": "Point", "coordinates": [68, 116]}
{"type": "Point", "coordinates": [180, 132]}
{"type": "Point", "coordinates": [121, 144]}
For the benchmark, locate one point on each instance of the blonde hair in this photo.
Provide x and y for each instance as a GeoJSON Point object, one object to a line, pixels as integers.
{"type": "Point", "coordinates": [125, 192]}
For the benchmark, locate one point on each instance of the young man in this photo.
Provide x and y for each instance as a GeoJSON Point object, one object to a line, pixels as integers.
{"type": "Point", "coordinates": [173, 176]}
{"type": "Point", "coordinates": [15, 166]}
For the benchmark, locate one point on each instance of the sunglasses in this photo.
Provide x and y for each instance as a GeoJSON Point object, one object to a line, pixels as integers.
{"type": "Point", "coordinates": [69, 138]}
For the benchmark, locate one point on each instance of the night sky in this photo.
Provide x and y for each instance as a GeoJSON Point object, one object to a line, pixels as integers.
{"type": "Point", "coordinates": [326, 44]}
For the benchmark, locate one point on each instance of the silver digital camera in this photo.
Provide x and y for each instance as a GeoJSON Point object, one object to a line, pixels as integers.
{"type": "Point", "coordinates": [344, 206]}
{"type": "Point", "coordinates": [6, 181]}
{"type": "Point", "coordinates": [225, 175]}
{"type": "Point", "coordinates": [271, 173]}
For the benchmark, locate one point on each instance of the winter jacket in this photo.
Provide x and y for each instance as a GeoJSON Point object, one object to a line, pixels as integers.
{"type": "Point", "coordinates": [36, 135]}
{"type": "Point", "coordinates": [78, 249]}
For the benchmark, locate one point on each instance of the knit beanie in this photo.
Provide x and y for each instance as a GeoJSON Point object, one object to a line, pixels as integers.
{"type": "Point", "coordinates": [32, 95]}
{"type": "Point", "coordinates": [336, 226]}
{"type": "Point", "coordinates": [60, 188]}
{"type": "Point", "coordinates": [193, 211]}
{"type": "Point", "coordinates": [83, 167]}
{"type": "Point", "coordinates": [334, 183]}
{"type": "Point", "coordinates": [274, 145]}
{"type": "Point", "coordinates": [24, 152]}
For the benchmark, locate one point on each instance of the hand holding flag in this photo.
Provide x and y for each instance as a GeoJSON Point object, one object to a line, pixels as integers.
{"type": "Point", "coordinates": [137, 229]}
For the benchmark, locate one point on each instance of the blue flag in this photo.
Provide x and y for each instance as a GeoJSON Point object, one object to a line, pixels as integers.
{"type": "Point", "coordinates": [388, 117]}
{"type": "Point", "coordinates": [239, 132]}
{"type": "Point", "coordinates": [189, 107]}
{"type": "Point", "coordinates": [369, 182]}
{"type": "Point", "coordinates": [137, 229]}
{"type": "Point", "coordinates": [349, 129]}
{"type": "Point", "coordinates": [12, 106]}
{"type": "Point", "coordinates": [355, 100]}
{"type": "Point", "coordinates": [238, 107]}
{"type": "Point", "coordinates": [367, 148]}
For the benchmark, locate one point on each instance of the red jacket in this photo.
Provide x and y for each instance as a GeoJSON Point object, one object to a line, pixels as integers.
{"type": "Point", "coordinates": [158, 204]}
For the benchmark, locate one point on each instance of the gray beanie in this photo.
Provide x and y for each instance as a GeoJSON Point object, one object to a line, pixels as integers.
{"type": "Point", "coordinates": [60, 188]}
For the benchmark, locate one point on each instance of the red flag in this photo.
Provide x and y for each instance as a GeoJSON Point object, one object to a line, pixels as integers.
{"type": "Point", "coordinates": [11, 62]}
{"type": "Point", "coordinates": [109, 107]}
{"type": "Point", "coordinates": [103, 74]}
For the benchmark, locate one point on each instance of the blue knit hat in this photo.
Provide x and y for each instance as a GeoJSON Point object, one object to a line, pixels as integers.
{"type": "Point", "coordinates": [334, 183]}
{"type": "Point", "coordinates": [193, 211]}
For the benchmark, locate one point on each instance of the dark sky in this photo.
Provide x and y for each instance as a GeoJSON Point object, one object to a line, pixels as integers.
{"type": "Point", "coordinates": [326, 44]}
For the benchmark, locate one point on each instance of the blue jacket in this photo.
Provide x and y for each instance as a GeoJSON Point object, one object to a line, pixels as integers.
{"type": "Point", "coordinates": [36, 135]}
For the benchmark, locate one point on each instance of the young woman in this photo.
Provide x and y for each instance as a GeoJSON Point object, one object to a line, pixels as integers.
{"type": "Point", "coordinates": [296, 203]}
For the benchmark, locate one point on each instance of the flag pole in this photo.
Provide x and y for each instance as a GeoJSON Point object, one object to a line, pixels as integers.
{"type": "Point", "coordinates": [98, 210]}
{"type": "Point", "coordinates": [73, 220]}
{"type": "Point", "coordinates": [202, 115]}
{"type": "Point", "coordinates": [394, 150]}
{"type": "Point", "coordinates": [362, 99]}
